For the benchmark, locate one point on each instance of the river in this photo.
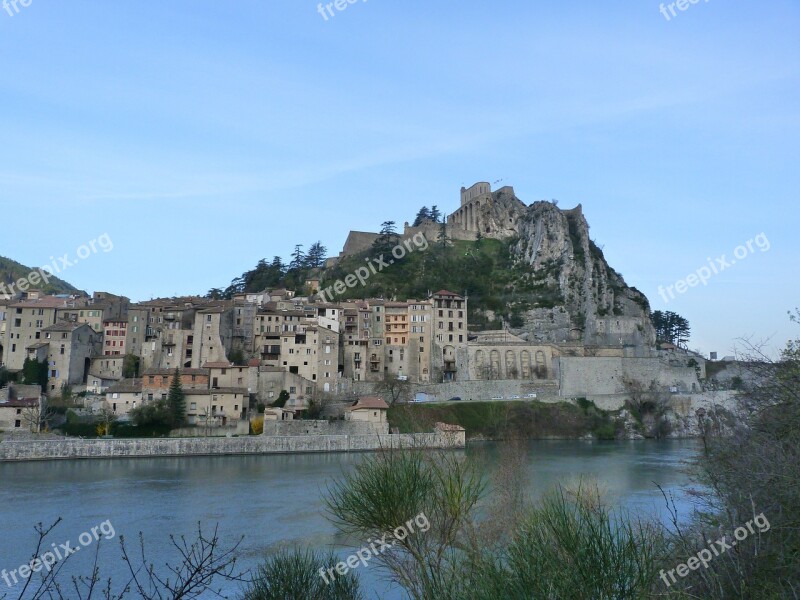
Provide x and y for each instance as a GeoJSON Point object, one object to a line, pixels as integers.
{"type": "Point", "coordinates": [273, 500]}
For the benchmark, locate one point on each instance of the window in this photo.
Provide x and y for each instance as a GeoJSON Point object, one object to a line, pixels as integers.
{"type": "Point", "coordinates": [193, 406]}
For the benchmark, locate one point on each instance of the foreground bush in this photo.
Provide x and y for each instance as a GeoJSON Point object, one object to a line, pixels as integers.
{"type": "Point", "coordinates": [751, 470]}
{"type": "Point", "coordinates": [570, 545]}
{"type": "Point", "coordinates": [296, 574]}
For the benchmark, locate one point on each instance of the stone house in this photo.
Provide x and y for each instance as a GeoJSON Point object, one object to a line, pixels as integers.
{"type": "Point", "coordinates": [71, 348]}
{"type": "Point", "coordinates": [125, 395]}
{"type": "Point", "coordinates": [368, 408]}
{"type": "Point", "coordinates": [21, 407]}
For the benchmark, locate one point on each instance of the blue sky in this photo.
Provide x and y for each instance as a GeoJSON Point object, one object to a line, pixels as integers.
{"type": "Point", "coordinates": [202, 136]}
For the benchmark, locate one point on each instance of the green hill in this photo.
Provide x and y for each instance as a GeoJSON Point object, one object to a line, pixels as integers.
{"type": "Point", "coordinates": [12, 271]}
{"type": "Point", "coordinates": [484, 270]}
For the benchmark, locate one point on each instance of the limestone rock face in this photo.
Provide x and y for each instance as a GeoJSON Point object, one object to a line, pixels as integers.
{"type": "Point", "coordinates": [589, 302]}
{"type": "Point", "coordinates": [499, 218]}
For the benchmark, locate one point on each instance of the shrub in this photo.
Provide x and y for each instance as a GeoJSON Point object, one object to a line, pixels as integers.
{"type": "Point", "coordinates": [296, 574]}
{"type": "Point", "coordinates": [257, 426]}
{"type": "Point", "coordinates": [571, 546]}
{"type": "Point", "coordinates": [585, 405]}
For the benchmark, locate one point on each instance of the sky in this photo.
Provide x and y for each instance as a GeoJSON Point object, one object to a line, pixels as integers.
{"type": "Point", "coordinates": [199, 137]}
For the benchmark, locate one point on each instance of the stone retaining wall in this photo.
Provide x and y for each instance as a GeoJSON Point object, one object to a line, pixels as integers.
{"type": "Point", "coordinates": [172, 447]}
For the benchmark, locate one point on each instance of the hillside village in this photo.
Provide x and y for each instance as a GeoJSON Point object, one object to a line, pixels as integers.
{"type": "Point", "coordinates": [237, 355]}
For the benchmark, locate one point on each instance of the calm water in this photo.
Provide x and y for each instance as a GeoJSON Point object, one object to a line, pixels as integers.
{"type": "Point", "coordinates": [273, 500]}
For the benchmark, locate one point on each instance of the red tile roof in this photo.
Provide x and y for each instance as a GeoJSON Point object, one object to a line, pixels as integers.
{"type": "Point", "coordinates": [369, 403]}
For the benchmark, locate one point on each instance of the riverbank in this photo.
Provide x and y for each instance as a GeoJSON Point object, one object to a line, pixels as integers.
{"type": "Point", "coordinates": [71, 448]}
{"type": "Point", "coordinates": [578, 419]}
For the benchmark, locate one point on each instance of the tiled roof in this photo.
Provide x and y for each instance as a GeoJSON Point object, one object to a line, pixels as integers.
{"type": "Point", "coordinates": [172, 371]}
{"type": "Point", "coordinates": [369, 403]}
{"type": "Point", "coordinates": [45, 302]}
{"type": "Point", "coordinates": [125, 386]}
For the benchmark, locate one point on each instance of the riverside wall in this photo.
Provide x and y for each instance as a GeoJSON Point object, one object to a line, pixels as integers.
{"type": "Point", "coordinates": [65, 449]}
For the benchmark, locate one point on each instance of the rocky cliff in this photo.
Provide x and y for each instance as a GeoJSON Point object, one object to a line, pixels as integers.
{"type": "Point", "coordinates": [590, 302]}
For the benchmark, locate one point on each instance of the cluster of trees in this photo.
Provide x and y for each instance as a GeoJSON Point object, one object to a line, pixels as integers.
{"type": "Point", "coordinates": [670, 328]}
{"type": "Point", "coordinates": [276, 274]}
{"type": "Point", "coordinates": [428, 214]}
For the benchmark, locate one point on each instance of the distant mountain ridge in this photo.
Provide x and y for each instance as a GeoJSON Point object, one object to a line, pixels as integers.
{"type": "Point", "coordinates": [11, 271]}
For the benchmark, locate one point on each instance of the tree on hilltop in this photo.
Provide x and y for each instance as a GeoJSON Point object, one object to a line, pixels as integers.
{"type": "Point", "coordinates": [424, 214]}
{"type": "Point", "coordinates": [298, 258]}
{"type": "Point", "coordinates": [670, 328]}
{"type": "Point", "coordinates": [316, 256]}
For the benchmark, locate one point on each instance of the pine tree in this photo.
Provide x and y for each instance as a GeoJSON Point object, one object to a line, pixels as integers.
{"type": "Point", "coordinates": [435, 214]}
{"type": "Point", "coordinates": [387, 237]}
{"type": "Point", "coordinates": [424, 214]}
{"type": "Point", "coordinates": [442, 238]}
{"type": "Point", "coordinates": [176, 399]}
{"type": "Point", "coordinates": [298, 258]}
{"type": "Point", "coordinates": [316, 255]}
{"type": "Point", "coordinates": [671, 327]}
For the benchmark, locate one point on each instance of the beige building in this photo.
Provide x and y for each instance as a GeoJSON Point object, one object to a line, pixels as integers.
{"type": "Point", "coordinates": [502, 355]}
{"type": "Point", "coordinates": [218, 407]}
{"type": "Point", "coordinates": [124, 395]}
{"type": "Point", "coordinates": [104, 371]}
{"type": "Point", "coordinates": [312, 353]}
{"type": "Point", "coordinates": [115, 334]}
{"type": "Point", "coordinates": [213, 335]}
{"type": "Point", "coordinates": [449, 360]}
{"type": "Point", "coordinates": [93, 311]}
{"type": "Point", "coordinates": [368, 408]}
{"type": "Point", "coordinates": [25, 323]}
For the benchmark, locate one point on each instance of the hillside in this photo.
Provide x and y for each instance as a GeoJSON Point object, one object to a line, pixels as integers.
{"type": "Point", "coordinates": [11, 271]}
{"type": "Point", "coordinates": [549, 282]}
{"type": "Point", "coordinates": [537, 274]}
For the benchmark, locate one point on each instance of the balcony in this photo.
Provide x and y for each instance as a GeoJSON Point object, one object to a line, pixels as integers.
{"type": "Point", "coordinates": [450, 367]}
